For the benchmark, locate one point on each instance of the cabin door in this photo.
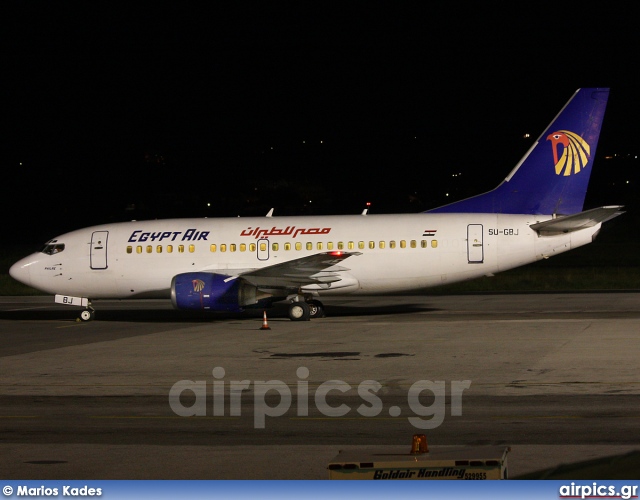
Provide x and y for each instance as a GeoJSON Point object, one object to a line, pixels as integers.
{"type": "Point", "coordinates": [263, 249]}
{"type": "Point", "coordinates": [98, 256]}
{"type": "Point", "coordinates": [475, 248]}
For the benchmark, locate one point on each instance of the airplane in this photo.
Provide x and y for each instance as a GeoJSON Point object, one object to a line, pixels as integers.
{"type": "Point", "coordinates": [233, 264]}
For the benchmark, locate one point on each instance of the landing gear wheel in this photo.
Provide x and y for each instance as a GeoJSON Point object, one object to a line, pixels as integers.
{"type": "Point", "coordinates": [87, 315]}
{"type": "Point", "coordinates": [299, 311]}
{"type": "Point", "coordinates": [316, 309]}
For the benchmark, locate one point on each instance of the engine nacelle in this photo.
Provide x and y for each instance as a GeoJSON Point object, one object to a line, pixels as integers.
{"type": "Point", "coordinates": [210, 292]}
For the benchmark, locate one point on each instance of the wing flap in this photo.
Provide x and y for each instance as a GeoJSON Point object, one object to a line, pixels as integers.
{"type": "Point", "coordinates": [321, 269]}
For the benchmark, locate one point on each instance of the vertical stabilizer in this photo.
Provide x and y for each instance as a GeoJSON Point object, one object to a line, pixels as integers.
{"type": "Point", "coordinates": [553, 176]}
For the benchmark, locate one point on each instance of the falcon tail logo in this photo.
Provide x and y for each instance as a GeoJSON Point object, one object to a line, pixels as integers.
{"type": "Point", "coordinates": [575, 154]}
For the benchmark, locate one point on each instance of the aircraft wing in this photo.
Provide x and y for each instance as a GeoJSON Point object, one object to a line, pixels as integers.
{"type": "Point", "coordinates": [576, 222]}
{"type": "Point", "coordinates": [320, 269]}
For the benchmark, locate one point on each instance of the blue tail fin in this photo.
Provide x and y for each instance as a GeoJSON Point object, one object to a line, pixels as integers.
{"type": "Point", "coordinates": [552, 177]}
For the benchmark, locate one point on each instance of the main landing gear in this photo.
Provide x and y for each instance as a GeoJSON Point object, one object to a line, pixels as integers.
{"type": "Point", "coordinates": [301, 310]}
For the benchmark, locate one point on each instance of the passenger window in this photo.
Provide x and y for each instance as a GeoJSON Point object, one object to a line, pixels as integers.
{"type": "Point", "coordinates": [392, 244]}
{"type": "Point", "coordinates": [361, 245]}
{"type": "Point", "coordinates": [351, 245]}
{"type": "Point", "coordinates": [159, 249]}
{"type": "Point", "coordinates": [372, 244]}
{"type": "Point", "coordinates": [213, 247]}
{"type": "Point", "coordinates": [434, 244]}
{"type": "Point", "coordinates": [129, 249]}
{"type": "Point", "coordinates": [149, 249]}
{"type": "Point", "coordinates": [263, 247]}
{"type": "Point", "coordinates": [298, 245]}
{"type": "Point", "coordinates": [243, 247]}
{"type": "Point", "coordinates": [180, 248]}
{"type": "Point", "coordinates": [223, 247]}
{"type": "Point", "coordinates": [330, 245]}
{"type": "Point", "coordinates": [319, 246]}
{"type": "Point", "coordinates": [287, 246]}
{"type": "Point", "coordinates": [423, 243]}
{"type": "Point", "coordinates": [139, 249]}
{"type": "Point", "coordinates": [340, 245]}
{"type": "Point", "coordinates": [413, 243]}
{"type": "Point", "coordinates": [169, 248]}
{"type": "Point", "coordinates": [403, 244]}
{"type": "Point", "coordinates": [309, 245]}
{"type": "Point", "coordinates": [192, 248]}
{"type": "Point", "coordinates": [382, 244]}
{"type": "Point", "coordinates": [232, 247]}
{"type": "Point", "coordinates": [252, 247]}
{"type": "Point", "coordinates": [274, 247]}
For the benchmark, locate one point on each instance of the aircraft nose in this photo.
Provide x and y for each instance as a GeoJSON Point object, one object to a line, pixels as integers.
{"type": "Point", "coordinates": [20, 272]}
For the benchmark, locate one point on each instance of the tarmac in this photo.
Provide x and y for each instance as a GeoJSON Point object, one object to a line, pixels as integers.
{"type": "Point", "coordinates": [147, 392]}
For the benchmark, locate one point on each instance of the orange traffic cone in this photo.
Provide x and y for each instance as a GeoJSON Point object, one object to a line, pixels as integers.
{"type": "Point", "coordinates": [419, 444]}
{"type": "Point", "coordinates": [265, 325]}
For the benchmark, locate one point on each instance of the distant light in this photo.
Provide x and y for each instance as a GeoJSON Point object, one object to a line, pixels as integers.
{"type": "Point", "coordinates": [208, 204]}
{"type": "Point", "coordinates": [447, 194]}
{"type": "Point", "coordinates": [526, 136]}
{"type": "Point", "coordinates": [321, 142]}
{"type": "Point", "coordinates": [368, 203]}
{"type": "Point", "coordinates": [627, 182]}
{"type": "Point", "coordinates": [20, 163]}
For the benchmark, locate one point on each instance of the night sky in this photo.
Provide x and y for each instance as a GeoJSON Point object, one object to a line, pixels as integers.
{"type": "Point", "coordinates": [133, 110]}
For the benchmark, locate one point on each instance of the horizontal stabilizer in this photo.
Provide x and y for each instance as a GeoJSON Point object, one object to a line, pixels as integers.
{"type": "Point", "coordinates": [576, 222]}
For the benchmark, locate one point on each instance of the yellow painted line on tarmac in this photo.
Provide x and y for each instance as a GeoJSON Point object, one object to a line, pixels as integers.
{"type": "Point", "coordinates": [27, 308]}
{"type": "Point", "coordinates": [540, 417]}
{"type": "Point", "coordinates": [93, 386]}
{"type": "Point", "coordinates": [352, 418]}
{"type": "Point", "coordinates": [159, 417]}
{"type": "Point", "coordinates": [19, 416]}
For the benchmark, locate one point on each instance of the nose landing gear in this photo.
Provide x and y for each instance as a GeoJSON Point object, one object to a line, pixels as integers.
{"type": "Point", "coordinates": [88, 314]}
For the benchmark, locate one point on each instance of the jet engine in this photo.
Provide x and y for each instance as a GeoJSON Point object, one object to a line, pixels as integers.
{"type": "Point", "coordinates": [213, 292]}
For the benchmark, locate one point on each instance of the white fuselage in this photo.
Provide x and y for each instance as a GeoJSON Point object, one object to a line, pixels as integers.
{"type": "Point", "coordinates": [397, 252]}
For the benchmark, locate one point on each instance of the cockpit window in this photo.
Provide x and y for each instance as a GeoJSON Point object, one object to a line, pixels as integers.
{"type": "Point", "coordinates": [53, 248]}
